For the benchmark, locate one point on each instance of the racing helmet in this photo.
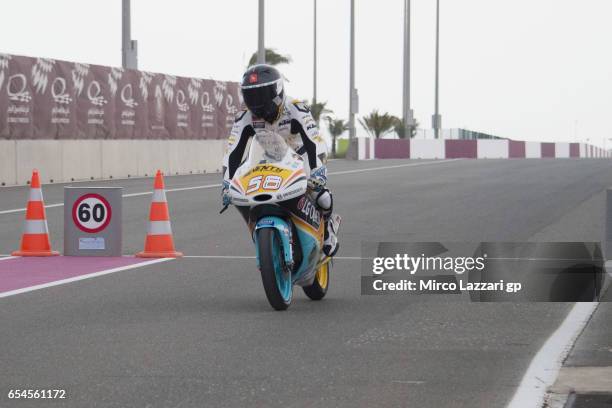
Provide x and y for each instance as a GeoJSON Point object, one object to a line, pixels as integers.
{"type": "Point", "coordinates": [263, 91]}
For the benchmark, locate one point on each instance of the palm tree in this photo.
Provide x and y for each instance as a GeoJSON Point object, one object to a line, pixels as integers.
{"type": "Point", "coordinates": [317, 109]}
{"type": "Point", "coordinates": [377, 124]}
{"type": "Point", "coordinates": [400, 129]}
{"type": "Point", "coordinates": [336, 127]}
{"type": "Point", "coordinates": [272, 58]}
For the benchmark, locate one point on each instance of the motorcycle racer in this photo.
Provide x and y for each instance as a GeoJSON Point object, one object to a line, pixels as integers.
{"type": "Point", "coordinates": [270, 110]}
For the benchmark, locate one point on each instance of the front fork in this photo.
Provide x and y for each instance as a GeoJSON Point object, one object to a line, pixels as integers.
{"type": "Point", "coordinates": [284, 232]}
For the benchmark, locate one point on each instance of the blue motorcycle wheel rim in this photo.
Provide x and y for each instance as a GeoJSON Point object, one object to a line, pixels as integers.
{"type": "Point", "coordinates": [283, 280]}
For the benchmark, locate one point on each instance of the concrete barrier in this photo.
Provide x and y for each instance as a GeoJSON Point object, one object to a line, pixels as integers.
{"type": "Point", "coordinates": [493, 149]}
{"type": "Point", "coordinates": [74, 160]}
{"type": "Point", "coordinates": [119, 159]}
{"type": "Point", "coordinates": [427, 149]}
{"type": "Point", "coordinates": [562, 150]}
{"type": "Point", "coordinates": [472, 149]}
{"type": "Point", "coordinates": [533, 150]}
{"type": "Point", "coordinates": [461, 149]}
{"type": "Point", "coordinates": [81, 159]}
{"type": "Point", "coordinates": [574, 150]}
{"type": "Point", "coordinates": [152, 155]}
{"type": "Point", "coordinates": [366, 148]}
{"type": "Point", "coordinates": [548, 150]}
{"type": "Point", "coordinates": [44, 155]}
{"type": "Point", "coordinates": [8, 167]}
{"type": "Point", "coordinates": [516, 149]}
{"type": "Point", "coordinates": [392, 148]}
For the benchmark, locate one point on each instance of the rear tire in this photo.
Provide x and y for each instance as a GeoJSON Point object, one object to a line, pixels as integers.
{"type": "Point", "coordinates": [275, 276]}
{"type": "Point", "coordinates": [318, 289]}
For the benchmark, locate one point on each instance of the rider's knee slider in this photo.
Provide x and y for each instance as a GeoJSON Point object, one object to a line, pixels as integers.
{"type": "Point", "coordinates": [325, 200]}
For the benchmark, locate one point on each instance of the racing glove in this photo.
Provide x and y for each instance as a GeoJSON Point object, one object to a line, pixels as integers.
{"type": "Point", "coordinates": [318, 179]}
{"type": "Point", "coordinates": [226, 198]}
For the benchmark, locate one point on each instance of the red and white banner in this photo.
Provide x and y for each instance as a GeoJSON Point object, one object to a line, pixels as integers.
{"type": "Point", "coordinates": [42, 98]}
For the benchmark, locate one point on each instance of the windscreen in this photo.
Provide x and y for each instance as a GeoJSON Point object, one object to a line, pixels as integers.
{"type": "Point", "coordinates": [273, 145]}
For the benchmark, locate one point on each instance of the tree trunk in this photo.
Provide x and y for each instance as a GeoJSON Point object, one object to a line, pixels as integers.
{"type": "Point", "coordinates": [334, 146]}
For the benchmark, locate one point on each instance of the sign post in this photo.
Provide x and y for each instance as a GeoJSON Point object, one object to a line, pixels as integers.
{"type": "Point", "coordinates": [92, 221]}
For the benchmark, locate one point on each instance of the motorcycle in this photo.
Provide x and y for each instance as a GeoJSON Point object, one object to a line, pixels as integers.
{"type": "Point", "coordinates": [270, 191]}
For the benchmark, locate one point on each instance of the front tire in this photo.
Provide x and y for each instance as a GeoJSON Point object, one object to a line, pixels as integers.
{"type": "Point", "coordinates": [318, 289]}
{"type": "Point", "coordinates": [275, 276]}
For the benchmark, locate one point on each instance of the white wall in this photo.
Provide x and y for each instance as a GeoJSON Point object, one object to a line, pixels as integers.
{"type": "Point", "coordinates": [68, 160]}
{"type": "Point", "coordinates": [492, 149]}
{"type": "Point", "coordinates": [43, 155]}
{"type": "Point", "coordinates": [533, 150]}
{"type": "Point", "coordinates": [119, 157]}
{"type": "Point", "coordinates": [562, 150]}
{"type": "Point", "coordinates": [427, 149]}
{"type": "Point", "coordinates": [366, 153]}
{"type": "Point", "coordinates": [81, 160]}
{"type": "Point", "coordinates": [8, 167]}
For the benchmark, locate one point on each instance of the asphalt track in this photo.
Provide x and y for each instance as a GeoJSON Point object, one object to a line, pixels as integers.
{"type": "Point", "coordinates": [198, 332]}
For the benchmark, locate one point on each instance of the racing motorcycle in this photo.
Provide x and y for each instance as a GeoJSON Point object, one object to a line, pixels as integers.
{"type": "Point", "coordinates": [270, 191]}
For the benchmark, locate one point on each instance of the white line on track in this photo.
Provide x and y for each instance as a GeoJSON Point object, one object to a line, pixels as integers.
{"type": "Point", "coordinates": [172, 190]}
{"type": "Point", "coordinates": [544, 368]}
{"type": "Point", "coordinates": [6, 257]}
{"type": "Point", "coordinates": [397, 166]}
{"type": "Point", "coordinates": [83, 277]}
{"type": "Point", "coordinates": [18, 210]}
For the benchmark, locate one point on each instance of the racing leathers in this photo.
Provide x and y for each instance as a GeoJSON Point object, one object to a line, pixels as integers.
{"type": "Point", "coordinates": [299, 129]}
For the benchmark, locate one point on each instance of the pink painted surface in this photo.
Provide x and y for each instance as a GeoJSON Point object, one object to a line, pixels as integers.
{"type": "Point", "coordinates": [516, 149]}
{"type": "Point", "coordinates": [548, 149]}
{"type": "Point", "coordinates": [574, 149]}
{"type": "Point", "coordinates": [392, 148]}
{"type": "Point", "coordinates": [461, 149]}
{"type": "Point", "coordinates": [19, 273]}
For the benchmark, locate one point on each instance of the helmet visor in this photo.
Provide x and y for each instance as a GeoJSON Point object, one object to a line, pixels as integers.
{"type": "Point", "coordinates": [260, 100]}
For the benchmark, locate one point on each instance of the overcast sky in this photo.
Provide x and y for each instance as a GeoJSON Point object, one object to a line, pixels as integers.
{"type": "Point", "coordinates": [524, 69]}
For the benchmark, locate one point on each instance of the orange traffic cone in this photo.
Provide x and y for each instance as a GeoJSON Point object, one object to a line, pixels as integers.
{"type": "Point", "coordinates": [159, 242]}
{"type": "Point", "coordinates": [35, 238]}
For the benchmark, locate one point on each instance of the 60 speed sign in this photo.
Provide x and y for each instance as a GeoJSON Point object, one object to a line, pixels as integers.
{"type": "Point", "coordinates": [91, 213]}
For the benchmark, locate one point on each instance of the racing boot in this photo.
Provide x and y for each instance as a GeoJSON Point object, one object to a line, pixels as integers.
{"type": "Point", "coordinates": [324, 200]}
{"type": "Point", "coordinates": [330, 243]}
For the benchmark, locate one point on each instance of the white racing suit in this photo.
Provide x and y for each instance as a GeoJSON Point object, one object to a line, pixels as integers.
{"type": "Point", "coordinates": [299, 129]}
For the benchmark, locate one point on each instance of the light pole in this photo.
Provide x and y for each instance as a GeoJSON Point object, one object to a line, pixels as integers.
{"type": "Point", "coordinates": [314, 67]}
{"type": "Point", "coordinates": [437, 118]}
{"type": "Point", "coordinates": [353, 97]}
{"type": "Point", "coordinates": [129, 47]}
{"type": "Point", "coordinates": [407, 113]}
{"type": "Point", "coordinates": [261, 49]}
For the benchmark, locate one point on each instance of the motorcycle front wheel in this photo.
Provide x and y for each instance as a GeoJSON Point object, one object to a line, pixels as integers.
{"type": "Point", "coordinates": [275, 276]}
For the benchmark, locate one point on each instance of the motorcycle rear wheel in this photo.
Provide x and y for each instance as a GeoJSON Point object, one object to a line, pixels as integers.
{"type": "Point", "coordinates": [318, 289]}
{"type": "Point", "coordinates": [275, 276]}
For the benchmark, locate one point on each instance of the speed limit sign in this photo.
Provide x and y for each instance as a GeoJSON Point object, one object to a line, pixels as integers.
{"type": "Point", "coordinates": [91, 213]}
{"type": "Point", "coordinates": [92, 221]}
